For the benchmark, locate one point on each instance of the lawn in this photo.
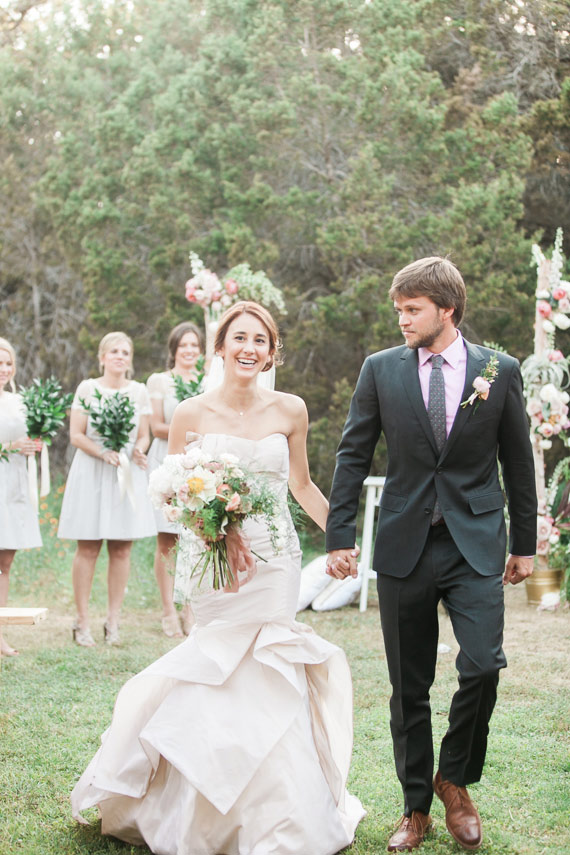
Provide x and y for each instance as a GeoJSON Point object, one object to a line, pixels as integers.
{"type": "Point", "coordinates": [57, 698]}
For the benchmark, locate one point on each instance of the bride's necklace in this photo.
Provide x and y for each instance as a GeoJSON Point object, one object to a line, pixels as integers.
{"type": "Point", "coordinates": [240, 411]}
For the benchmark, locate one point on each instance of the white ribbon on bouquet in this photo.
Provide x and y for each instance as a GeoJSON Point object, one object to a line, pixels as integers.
{"type": "Point", "coordinates": [45, 483]}
{"type": "Point", "coordinates": [125, 479]}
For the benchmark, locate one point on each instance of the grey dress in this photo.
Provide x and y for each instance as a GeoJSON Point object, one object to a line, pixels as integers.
{"type": "Point", "coordinates": [93, 507]}
{"type": "Point", "coordinates": [19, 528]}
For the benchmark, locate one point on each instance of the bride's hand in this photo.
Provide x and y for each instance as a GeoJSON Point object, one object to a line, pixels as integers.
{"type": "Point", "coordinates": [240, 558]}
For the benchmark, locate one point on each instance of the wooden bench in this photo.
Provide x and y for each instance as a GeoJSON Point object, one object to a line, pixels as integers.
{"type": "Point", "coordinates": [20, 616]}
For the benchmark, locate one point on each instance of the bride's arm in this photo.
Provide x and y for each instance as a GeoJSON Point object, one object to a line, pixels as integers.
{"type": "Point", "coordinates": [305, 492]}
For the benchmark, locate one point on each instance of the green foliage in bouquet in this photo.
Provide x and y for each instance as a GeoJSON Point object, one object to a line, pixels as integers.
{"type": "Point", "coordinates": [113, 417]}
{"type": "Point", "coordinates": [190, 389]}
{"type": "Point", "coordinates": [46, 408]}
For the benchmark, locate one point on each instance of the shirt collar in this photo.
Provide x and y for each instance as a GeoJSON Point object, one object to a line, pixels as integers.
{"type": "Point", "coordinates": [451, 354]}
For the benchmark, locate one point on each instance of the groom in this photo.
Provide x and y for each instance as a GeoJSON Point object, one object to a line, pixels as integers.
{"type": "Point", "coordinates": [441, 530]}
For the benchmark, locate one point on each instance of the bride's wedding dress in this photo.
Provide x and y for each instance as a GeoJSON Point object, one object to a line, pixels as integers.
{"type": "Point", "coordinates": [238, 741]}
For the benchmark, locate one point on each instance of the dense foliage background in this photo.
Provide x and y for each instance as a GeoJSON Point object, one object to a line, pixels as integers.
{"type": "Point", "coordinates": [329, 142]}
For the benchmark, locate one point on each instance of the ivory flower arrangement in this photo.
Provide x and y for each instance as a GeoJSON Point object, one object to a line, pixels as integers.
{"type": "Point", "coordinates": [215, 295]}
{"type": "Point", "coordinates": [546, 375]}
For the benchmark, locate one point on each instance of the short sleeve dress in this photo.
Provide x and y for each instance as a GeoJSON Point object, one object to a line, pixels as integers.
{"type": "Point", "coordinates": [19, 527]}
{"type": "Point", "coordinates": [160, 387]}
{"type": "Point", "coordinates": [93, 507]}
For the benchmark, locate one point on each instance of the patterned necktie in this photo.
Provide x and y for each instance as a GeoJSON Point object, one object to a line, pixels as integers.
{"type": "Point", "coordinates": [436, 414]}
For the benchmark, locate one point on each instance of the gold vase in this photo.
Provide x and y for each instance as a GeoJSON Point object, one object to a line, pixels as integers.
{"type": "Point", "coordinates": [544, 580]}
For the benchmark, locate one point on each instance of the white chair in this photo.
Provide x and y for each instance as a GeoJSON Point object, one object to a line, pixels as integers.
{"type": "Point", "coordinates": [374, 485]}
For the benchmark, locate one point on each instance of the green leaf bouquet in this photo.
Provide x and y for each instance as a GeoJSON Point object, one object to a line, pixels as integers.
{"type": "Point", "coordinates": [189, 389]}
{"type": "Point", "coordinates": [113, 418]}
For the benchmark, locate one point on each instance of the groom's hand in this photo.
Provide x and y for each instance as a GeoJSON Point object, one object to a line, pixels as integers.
{"type": "Point", "coordinates": [518, 568]}
{"type": "Point", "coordinates": [342, 563]}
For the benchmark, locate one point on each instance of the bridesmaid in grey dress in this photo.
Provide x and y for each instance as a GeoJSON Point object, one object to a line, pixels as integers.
{"type": "Point", "coordinates": [19, 527]}
{"type": "Point", "coordinates": [185, 344]}
{"type": "Point", "coordinates": [94, 506]}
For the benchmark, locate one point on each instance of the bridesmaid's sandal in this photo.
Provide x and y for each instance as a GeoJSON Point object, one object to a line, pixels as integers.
{"type": "Point", "coordinates": [111, 636]}
{"type": "Point", "coordinates": [6, 650]}
{"type": "Point", "coordinates": [171, 626]}
{"type": "Point", "coordinates": [82, 637]}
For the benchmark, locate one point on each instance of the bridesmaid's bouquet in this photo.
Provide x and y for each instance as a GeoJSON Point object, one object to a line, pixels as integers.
{"type": "Point", "coordinates": [113, 418]}
{"type": "Point", "coordinates": [189, 389]}
{"type": "Point", "coordinates": [46, 407]}
{"type": "Point", "coordinates": [208, 496]}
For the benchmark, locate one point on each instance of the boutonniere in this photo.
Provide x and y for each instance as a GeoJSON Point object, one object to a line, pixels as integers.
{"type": "Point", "coordinates": [482, 383]}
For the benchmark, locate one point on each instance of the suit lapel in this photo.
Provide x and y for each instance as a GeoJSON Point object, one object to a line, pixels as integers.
{"type": "Point", "coordinates": [411, 383]}
{"type": "Point", "coordinates": [475, 365]}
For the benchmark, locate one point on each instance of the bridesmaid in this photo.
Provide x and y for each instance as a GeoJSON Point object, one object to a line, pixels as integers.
{"type": "Point", "coordinates": [93, 508]}
{"type": "Point", "coordinates": [185, 345]}
{"type": "Point", "coordinates": [19, 528]}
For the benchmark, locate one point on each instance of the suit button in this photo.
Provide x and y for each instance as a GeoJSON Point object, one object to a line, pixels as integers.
{"type": "Point", "coordinates": [439, 470]}
{"type": "Point", "coordinates": [428, 510]}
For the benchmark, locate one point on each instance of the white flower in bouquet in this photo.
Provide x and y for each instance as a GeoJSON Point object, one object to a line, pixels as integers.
{"type": "Point", "coordinates": [161, 482]}
{"type": "Point", "coordinates": [546, 444]}
{"type": "Point", "coordinates": [548, 327]}
{"type": "Point", "coordinates": [198, 489]}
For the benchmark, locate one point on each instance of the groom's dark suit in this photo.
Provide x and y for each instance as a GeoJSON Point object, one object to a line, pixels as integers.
{"type": "Point", "coordinates": [418, 564]}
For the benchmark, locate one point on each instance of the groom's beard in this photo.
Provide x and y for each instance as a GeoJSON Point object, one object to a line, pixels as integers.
{"type": "Point", "coordinates": [427, 338]}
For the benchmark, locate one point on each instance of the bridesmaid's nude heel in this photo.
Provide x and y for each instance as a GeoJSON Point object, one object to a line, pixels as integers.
{"type": "Point", "coordinates": [82, 637]}
{"type": "Point", "coordinates": [111, 636]}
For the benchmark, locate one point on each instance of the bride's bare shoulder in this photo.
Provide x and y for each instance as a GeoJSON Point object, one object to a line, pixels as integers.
{"type": "Point", "coordinates": [198, 404]}
{"type": "Point", "coordinates": [288, 403]}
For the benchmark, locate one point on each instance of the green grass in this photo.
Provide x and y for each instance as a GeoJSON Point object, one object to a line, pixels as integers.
{"type": "Point", "coordinates": [57, 698]}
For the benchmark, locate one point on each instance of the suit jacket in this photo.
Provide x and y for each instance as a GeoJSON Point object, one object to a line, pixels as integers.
{"type": "Point", "coordinates": [464, 476]}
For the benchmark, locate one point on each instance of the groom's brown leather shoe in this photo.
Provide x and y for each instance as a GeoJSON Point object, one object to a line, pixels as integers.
{"type": "Point", "coordinates": [410, 832]}
{"type": "Point", "coordinates": [461, 816]}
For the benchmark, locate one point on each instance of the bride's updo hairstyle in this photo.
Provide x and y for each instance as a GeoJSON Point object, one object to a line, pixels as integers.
{"type": "Point", "coordinates": [5, 345]}
{"type": "Point", "coordinates": [250, 308]}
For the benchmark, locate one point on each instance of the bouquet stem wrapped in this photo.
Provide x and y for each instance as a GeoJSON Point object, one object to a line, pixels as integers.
{"type": "Point", "coordinates": [46, 408]}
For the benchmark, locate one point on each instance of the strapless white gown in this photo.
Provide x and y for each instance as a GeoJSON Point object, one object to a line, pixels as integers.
{"type": "Point", "coordinates": [238, 741]}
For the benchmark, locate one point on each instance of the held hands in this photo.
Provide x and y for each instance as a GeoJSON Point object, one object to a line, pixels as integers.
{"type": "Point", "coordinates": [109, 456]}
{"type": "Point", "coordinates": [518, 568]}
{"type": "Point", "coordinates": [27, 446]}
{"type": "Point", "coordinates": [342, 563]}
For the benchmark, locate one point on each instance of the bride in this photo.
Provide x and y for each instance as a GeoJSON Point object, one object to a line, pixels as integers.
{"type": "Point", "coordinates": [237, 741]}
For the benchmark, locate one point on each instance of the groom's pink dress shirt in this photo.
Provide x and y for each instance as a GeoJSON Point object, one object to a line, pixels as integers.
{"type": "Point", "coordinates": [454, 368]}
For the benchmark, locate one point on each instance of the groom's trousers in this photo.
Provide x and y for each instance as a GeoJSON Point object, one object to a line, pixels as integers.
{"type": "Point", "coordinates": [409, 615]}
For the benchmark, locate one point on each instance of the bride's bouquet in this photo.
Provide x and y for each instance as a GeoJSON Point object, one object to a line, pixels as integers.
{"type": "Point", "coordinates": [113, 418]}
{"type": "Point", "coordinates": [209, 496]}
{"type": "Point", "coordinates": [46, 407]}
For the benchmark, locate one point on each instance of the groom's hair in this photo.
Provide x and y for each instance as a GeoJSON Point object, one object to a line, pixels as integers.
{"type": "Point", "coordinates": [434, 277]}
